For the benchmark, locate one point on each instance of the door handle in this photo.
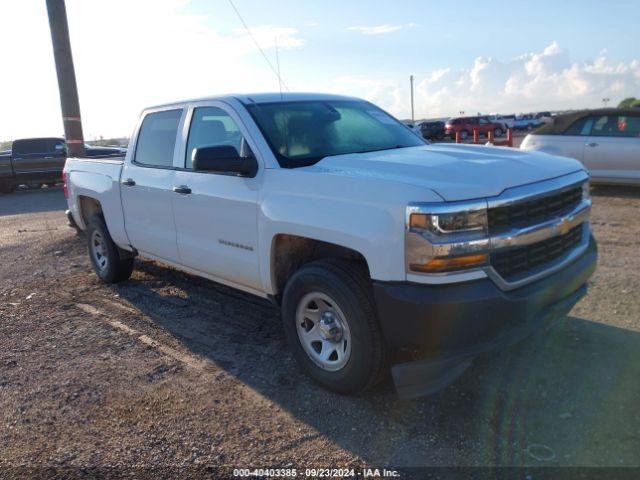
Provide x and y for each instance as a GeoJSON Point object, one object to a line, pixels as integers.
{"type": "Point", "coordinates": [182, 189]}
{"type": "Point", "coordinates": [591, 144]}
{"type": "Point", "coordinates": [129, 182]}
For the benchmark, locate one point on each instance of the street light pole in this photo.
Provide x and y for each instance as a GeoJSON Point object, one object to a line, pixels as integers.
{"type": "Point", "coordinates": [605, 101]}
{"type": "Point", "coordinates": [413, 120]}
{"type": "Point", "coordinates": [66, 78]}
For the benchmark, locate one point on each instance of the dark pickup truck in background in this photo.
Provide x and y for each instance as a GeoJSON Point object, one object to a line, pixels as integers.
{"type": "Point", "coordinates": [39, 161]}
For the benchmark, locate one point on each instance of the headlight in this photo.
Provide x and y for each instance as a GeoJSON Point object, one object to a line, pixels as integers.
{"type": "Point", "coordinates": [449, 223]}
{"type": "Point", "coordinates": [446, 238]}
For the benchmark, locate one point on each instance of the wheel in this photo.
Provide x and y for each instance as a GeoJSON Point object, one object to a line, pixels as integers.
{"type": "Point", "coordinates": [497, 132]}
{"type": "Point", "coordinates": [464, 135]}
{"type": "Point", "coordinates": [6, 187]}
{"type": "Point", "coordinates": [105, 256]}
{"type": "Point", "coordinates": [529, 127]}
{"type": "Point", "coordinates": [331, 325]}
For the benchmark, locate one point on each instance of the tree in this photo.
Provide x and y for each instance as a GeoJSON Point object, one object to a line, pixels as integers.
{"type": "Point", "coordinates": [629, 102]}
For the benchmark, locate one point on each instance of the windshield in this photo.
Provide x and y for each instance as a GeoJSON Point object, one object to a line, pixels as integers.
{"type": "Point", "coordinates": [302, 133]}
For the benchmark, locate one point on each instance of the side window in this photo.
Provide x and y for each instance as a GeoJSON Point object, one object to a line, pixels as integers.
{"type": "Point", "coordinates": [210, 127]}
{"type": "Point", "coordinates": [616, 126]}
{"type": "Point", "coordinates": [483, 121]}
{"type": "Point", "coordinates": [629, 126]}
{"type": "Point", "coordinates": [157, 138]}
{"type": "Point", "coordinates": [581, 126]}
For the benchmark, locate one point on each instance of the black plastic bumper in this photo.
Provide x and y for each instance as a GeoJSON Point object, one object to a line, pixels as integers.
{"type": "Point", "coordinates": [452, 323]}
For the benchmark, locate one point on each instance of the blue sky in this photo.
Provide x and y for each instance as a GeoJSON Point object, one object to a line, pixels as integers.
{"type": "Point", "coordinates": [486, 56]}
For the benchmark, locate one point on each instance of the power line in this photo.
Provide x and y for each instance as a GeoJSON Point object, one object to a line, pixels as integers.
{"type": "Point", "coordinates": [273, 69]}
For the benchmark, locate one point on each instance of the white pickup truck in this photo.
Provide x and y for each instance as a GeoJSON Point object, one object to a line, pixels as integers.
{"type": "Point", "coordinates": [382, 250]}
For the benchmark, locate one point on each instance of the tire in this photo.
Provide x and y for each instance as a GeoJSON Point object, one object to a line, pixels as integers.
{"type": "Point", "coordinates": [342, 290]}
{"type": "Point", "coordinates": [105, 256]}
{"type": "Point", "coordinates": [497, 132]}
{"type": "Point", "coordinates": [464, 135]}
{"type": "Point", "coordinates": [6, 187]}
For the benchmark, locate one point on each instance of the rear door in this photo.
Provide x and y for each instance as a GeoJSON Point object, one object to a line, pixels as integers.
{"type": "Point", "coordinates": [612, 150]}
{"type": "Point", "coordinates": [147, 180]}
{"type": "Point", "coordinates": [216, 221]}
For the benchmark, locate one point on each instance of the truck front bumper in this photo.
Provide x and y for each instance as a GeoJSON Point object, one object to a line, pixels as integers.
{"type": "Point", "coordinates": [453, 323]}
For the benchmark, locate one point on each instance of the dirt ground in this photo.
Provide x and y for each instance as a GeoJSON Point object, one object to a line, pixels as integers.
{"type": "Point", "coordinates": [169, 370]}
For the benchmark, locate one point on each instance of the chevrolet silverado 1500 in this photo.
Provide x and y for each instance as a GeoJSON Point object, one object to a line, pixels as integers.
{"type": "Point", "coordinates": [38, 161]}
{"type": "Point", "coordinates": [381, 249]}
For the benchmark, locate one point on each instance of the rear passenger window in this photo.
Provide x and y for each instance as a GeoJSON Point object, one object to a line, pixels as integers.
{"type": "Point", "coordinates": [157, 138]}
{"type": "Point", "coordinates": [616, 126]}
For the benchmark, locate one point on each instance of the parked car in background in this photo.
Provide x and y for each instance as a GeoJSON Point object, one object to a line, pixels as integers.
{"type": "Point", "coordinates": [39, 161]}
{"type": "Point", "coordinates": [368, 238]}
{"type": "Point", "coordinates": [606, 141]}
{"type": "Point", "coordinates": [544, 117]}
{"type": "Point", "coordinates": [466, 125]}
{"type": "Point", "coordinates": [506, 120]}
{"type": "Point", "coordinates": [526, 122]}
{"type": "Point", "coordinates": [33, 162]}
{"type": "Point", "coordinates": [432, 130]}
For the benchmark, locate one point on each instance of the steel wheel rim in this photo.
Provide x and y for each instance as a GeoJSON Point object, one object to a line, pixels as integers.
{"type": "Point", "coordinates": [314, 315]}
{"type": "Point", "coordinates": [99, 251]}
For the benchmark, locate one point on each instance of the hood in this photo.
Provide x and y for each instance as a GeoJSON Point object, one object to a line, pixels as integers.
{"type": "Point", "coordinates": [455, 172]}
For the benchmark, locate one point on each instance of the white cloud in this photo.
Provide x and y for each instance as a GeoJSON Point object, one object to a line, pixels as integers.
{"type": "Point", "coordinates": [128, 55]}
{"type": "Point", "coordinates": [380, 29]}
{"type": "Point", "coordinates": [536, 81]}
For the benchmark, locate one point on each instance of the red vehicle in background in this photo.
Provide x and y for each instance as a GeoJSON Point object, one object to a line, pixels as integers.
{"type": "Point", "coordinates": [466, 125]}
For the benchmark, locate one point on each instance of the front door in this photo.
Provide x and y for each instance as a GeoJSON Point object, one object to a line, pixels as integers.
{"type": "Point", "coordinates": [612, 150]}
{"type": "Point", "coordinates": [216, 215]}
{"type": "Point", "coordinates": [146, 186]}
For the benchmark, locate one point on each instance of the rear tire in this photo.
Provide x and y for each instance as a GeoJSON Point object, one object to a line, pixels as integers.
{"type": "Point", "coordinates": [339, 290]}
{"type": "Point", "coordinates": [105, 256]}
{"type": "Point", "coordinates": [497, 132]}
{"type": "Point", "coordinates": [464, 135]}
{"type": "Point", "coordinates": [6, 187]}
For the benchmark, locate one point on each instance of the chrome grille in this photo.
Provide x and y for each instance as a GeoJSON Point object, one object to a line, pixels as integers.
{"type": "Point", "coordinates": [510, 263]}
{"type": "Point", "coordinates": [532, 212]}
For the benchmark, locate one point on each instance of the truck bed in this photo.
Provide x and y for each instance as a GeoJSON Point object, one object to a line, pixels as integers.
{"type": "Point", "coordinates": [97, 178]}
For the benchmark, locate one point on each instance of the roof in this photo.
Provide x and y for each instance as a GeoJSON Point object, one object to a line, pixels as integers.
{"type": "Point", "coordinates": [248, 98]}
{"type": "Point", "coordinates": [561, 122]}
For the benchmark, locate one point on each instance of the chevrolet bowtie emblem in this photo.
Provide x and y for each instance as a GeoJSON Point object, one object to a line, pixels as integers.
{"type": "Point", "coordinates": [564, 226]}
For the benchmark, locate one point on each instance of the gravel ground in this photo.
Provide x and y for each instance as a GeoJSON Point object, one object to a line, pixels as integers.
{"type": "Point", "coordinates": [169, 370]}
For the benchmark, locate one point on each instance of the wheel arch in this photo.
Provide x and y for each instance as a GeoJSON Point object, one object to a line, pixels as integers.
{"type": "Point", "coordinates": [289, 252]}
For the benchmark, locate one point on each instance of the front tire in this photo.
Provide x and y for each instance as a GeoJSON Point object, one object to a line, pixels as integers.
{"type": "Point", "coordinates": [497, 132]}
{"type": "Point", "coordinates": [331, 325]}
{"type": "Point", "coordinates": [106, 259]}
{"type": "Point", "coordinates": [464, 135]}
{"type": "Point", "coordinates": [6, 187]}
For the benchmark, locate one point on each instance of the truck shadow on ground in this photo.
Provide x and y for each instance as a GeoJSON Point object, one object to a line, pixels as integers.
{"type": "Point", "coordinates": [615, 191]}
{"type": "Point", "coordinates": [46, 199]}
{"type": "Point", "coordinates": [568, 397]}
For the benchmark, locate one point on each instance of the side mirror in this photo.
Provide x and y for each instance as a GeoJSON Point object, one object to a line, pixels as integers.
{"type": "Point", "coordinates": [224, 159]}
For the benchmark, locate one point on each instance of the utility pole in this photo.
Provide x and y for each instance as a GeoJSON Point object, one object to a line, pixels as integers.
{"type": "Point", "coordinates": [66, 78]}
{"type": "Point", "coordinates": [413, 120]}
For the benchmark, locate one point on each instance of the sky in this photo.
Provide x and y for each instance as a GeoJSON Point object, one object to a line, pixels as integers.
{"type": "Point", "coordinates": [467, 56]}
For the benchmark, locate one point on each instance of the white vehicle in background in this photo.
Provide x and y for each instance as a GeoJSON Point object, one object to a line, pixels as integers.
{"type": "Point", "coordinates": [606, 141]}
{"type": "Point", "coordinates": [544, 117]}
{"type": "Point", "coordinates": [376, 245]}
{"type": "Point", "coordinates": [507, 120]}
